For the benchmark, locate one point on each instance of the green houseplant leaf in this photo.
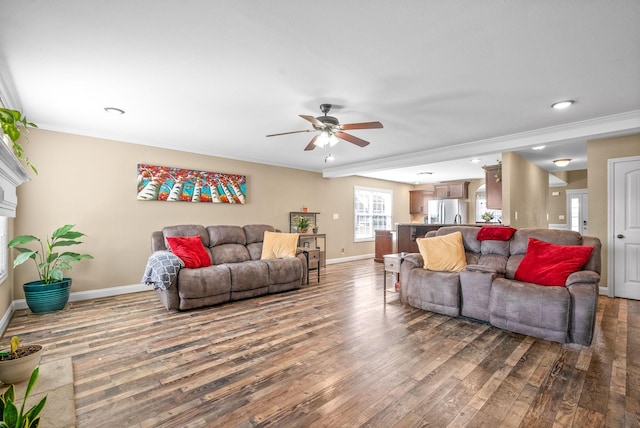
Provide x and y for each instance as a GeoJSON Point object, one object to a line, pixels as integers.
{"type": "Point", "coordinates": [50, 264]}
{"type": "Point", "coordinates": [11, 417]}
{"type": "Point", "coordinates": [12, 121]}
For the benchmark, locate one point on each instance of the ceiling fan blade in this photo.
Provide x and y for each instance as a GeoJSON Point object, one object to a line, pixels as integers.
{"type": "Point", "coordinates": [292, 132]}
{"type": "Point", "coordinates": [315, 122]}
{"type": "Point", "coordinates": [312, 144]}
{"type": "Point", "coordinates": [363, 125]}
{"type": "Point", "coordinates": [350, 138]}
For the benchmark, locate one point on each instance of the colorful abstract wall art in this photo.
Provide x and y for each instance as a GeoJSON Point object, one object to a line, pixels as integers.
{"type": "Point", "coordinates": [163, 183]}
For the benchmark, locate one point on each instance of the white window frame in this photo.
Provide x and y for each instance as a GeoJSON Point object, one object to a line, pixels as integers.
{"type": "Point", "coordinates": [385, 219]}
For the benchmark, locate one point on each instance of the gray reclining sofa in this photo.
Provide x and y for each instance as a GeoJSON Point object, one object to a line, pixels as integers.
{"type": "Point", "coordinates": [486, 289]}
{"type": "Point", "coordinates": [236, 271]}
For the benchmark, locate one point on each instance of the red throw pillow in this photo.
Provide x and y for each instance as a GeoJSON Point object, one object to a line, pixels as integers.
{"type": "Point", "coordinates": [495, 233]}
{"type": "Point", "coordinates": [551, 264]}
{"type": "Point", "coordinates": [190, 250]}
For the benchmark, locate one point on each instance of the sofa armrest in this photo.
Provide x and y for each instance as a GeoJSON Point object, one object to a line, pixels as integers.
{"type": "Point", "coordinates": [583, 277]}
{"type": "Point", "coordinates": [414, 259]}
{"type": "Point", "coordinates": [584, 302]}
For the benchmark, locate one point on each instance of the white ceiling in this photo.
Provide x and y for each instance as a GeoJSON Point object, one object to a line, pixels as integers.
{"type": "Point", "coordinates": [450, 80]}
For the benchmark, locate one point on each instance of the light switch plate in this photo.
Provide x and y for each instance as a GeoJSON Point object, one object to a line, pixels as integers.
{"type": "Point", "coordinates": [336, 216]}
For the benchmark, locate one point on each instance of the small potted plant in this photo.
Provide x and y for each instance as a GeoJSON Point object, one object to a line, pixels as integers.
{"type": "Point", "coordinates": [11, 122]}
{"type": "Point", "coordinates": [18, 362]}
{"type": "Point", "coordinates": [487, 216]}
{"type": "Point", "coordinates": [10, 417]}
{"type": "Point", "coordinates": [302, 223]}
{"type": "Point", "coordinates": [51, 292]}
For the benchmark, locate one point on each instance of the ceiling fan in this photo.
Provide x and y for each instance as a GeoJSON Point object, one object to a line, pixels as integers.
{"type": "Point", "coordinates": [330, 130]}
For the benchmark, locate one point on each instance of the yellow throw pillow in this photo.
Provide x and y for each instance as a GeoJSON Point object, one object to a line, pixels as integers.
{"type": "Point", "coordinates": [276, 245]}
{"type": "Point", "coordinates": [443, 253]}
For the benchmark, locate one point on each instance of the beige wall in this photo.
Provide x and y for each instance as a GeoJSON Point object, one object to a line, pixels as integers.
{"type": "Point", "coordinates": [91, 182]}
{"type": "Point", "coordinates": [598, 154]}
{"type": "Point", "coordinates": [557, 204]}
{"type": "Point", "coordinates": [524, 192]}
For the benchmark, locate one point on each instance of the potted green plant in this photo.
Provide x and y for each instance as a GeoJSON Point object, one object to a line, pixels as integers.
{"type": "Point", "coordinates": [51, 292]}
{"type": "Point", "coordinates": [11, 417]}
{"type": "Point", "coordinates": [302, 223]}
{"type": "Point", "coordinates": [11, 122]}
{"type": "Point", "coordinates": [487, 216]}
{"type": "Point", "coordinates": [17, 363]}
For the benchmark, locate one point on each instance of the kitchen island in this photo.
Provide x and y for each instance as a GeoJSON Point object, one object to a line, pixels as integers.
{"type": "Point", "coordinates": [408, 232]}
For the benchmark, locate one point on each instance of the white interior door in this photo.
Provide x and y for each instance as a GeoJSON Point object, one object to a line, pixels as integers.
{"type": "Point", "coordinates": [577, 211]}
{"type": "Point", "coordinates": [624, 237]}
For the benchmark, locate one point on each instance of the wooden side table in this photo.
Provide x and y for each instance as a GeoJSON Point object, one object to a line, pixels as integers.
{"type": "Point", "coordinates": [313, 258]}
{"type": "Point", "coordinates": [392, 264]}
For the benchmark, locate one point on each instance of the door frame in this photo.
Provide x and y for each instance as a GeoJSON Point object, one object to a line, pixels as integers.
{"type": "Point", "coordinates": [610, 290]}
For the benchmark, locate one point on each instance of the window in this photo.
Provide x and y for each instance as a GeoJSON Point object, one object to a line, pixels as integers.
{"type": "Point", "coordinates": [4, 251]}
{"type": "Point", "coordinates": [372, 211]}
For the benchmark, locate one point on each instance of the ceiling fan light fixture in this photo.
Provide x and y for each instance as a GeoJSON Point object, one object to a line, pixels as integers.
{"type": "Point", "coordinates": [561, 105]}
{"type": "Point", "coordinates": [333, 140]}
{"type": "Point", "coordinates": [562, 162]}
{"type": "Point", "coordinates": [322, 140]}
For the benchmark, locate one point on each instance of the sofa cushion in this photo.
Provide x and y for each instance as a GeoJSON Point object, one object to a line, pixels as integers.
{"type": "Point", "coordinates": [229, 253]}
{"type": "Point", "coordinates": [186, 230]}
{"type": "Point", "coordinates": [250, 275]}
{"type": "Point", "coordinates": [279, 245]}
{"type": "Point", "coordinates": [255, 232]}
{"type": "Point", "coordinates": [283, 271]}
{"type": "Point", "coordinates": [190, 250]}
{"type": "Point", "coordinates": [226, 235]}
{"type": "Point", "coordinates": [530, 309]}
{"type": "Point", "coordinates": [204, 282]}
{"type": "Point", "coordinates": [443, 253]}
{"type": "Point", "coordinates": [551, 264]}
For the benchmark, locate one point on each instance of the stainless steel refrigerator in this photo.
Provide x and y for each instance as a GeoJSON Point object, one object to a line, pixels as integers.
{"type": "Point", "coordinates": [447, 211]}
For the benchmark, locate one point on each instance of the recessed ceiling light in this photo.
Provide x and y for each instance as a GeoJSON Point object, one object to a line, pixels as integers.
{"type": "Point", "coordinates": [329, 158]}
{"type": "Point", "coordinates": [560, 105]}
{"type": "Point", "coordinates": [476, 160]}
{"type": "Point", "coordinates": [114, 110]}
{"type": "Point", "coordinates": [562, 162]}
{"type": "Point", "coordinates": [538, 147]}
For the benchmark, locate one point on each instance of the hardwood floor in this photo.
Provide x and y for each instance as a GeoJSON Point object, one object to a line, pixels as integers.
{"type": "Point", "coordinates": [333, 355]}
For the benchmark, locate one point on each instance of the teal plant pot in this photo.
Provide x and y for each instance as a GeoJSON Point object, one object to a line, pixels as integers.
{"type": "Point", "coordinates": [47, 298]}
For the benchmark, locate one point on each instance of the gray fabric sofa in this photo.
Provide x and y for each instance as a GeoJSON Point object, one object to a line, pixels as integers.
{"type": "Point", "coordinates": [236, 271]}
{"type": "Point", "coordinates": [486, 289]}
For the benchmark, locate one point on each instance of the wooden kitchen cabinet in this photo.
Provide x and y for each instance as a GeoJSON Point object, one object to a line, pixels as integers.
{"type": "Point", "coordinates": [454, 190]}
{"type": "Point", "coordinates": [385, 244]}
{"type": "Point", "coordinates": [419, 201]}
{"type": "Point", "coordinates": [493, 185]}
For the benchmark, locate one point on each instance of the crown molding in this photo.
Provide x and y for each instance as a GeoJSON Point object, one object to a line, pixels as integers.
{"type": "Point", "coordinates": [591, 129]}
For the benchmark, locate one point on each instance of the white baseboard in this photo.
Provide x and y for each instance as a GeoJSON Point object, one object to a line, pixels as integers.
{"type": "Point", "coordinates": [94, 294]}
{"type": "Point", "coordinates": [604, 291]}
{"type": "Point", "coordinates": [350, 259]}
{"type": "Point", "coordinates": [6, 318]}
